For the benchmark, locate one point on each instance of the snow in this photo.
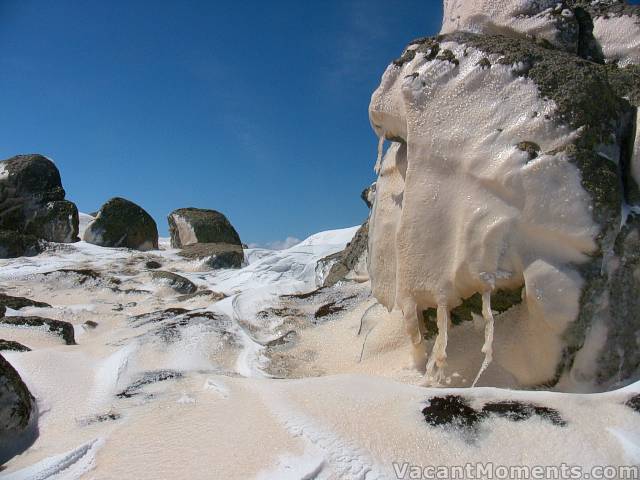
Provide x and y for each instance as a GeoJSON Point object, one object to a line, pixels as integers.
{"type": "Point", "coordinates": [619, 37]}
{"type": "Point", "coordinates": [186, 234]}
{"type": "Point", "coordinates": [504, 17]}
{"type": "Point", "coordinates": [348, 408]}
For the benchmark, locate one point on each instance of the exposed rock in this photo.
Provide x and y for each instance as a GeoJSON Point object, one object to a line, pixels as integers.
{"type": "Point", "coordinates": [17, 303]}
{"type": "Point", "coordinates": [188, 226]}
{"type": "Point", "coordinates": [217, 255]}
{"type": "Point", "coordinates": [13, 346]}
{"type": "Point", "coordinates": [63, 329]}
{"type": "Point", "coordinates": [530, 200]}
{"type": "Point", "coordinates": [32, 204]}
{"type": "Point", "coordinates": [122, 223]}
{"type": "Point", "coordinates": [213, 296]}
{"type": "Point", "coordinates": [177, 282]}
{"type": "Point", "coordinates": [17, 412]}
{"type": "Point", "coordinates": [90, 324]}
{"type": "Point", "coordinates": [350, 261]}
{"type": "Point", "coordinates": [148, 378]}
{"type": "Point", "coordinates": [153, 265]}
{"type": "Point", "coordinates": [14, 244]}
{"type": "Point", "coordinates": [455, 411]}
{"type": "Point", "coordinates": [368, 195]}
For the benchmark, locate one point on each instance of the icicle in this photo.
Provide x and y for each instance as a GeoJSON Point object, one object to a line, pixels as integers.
{"type": "Point", "coordinates": [435, 366]}
{"type": "Point", "coordinates": [378, 165]}
{"type": "Point", "coordinates": [487, 348]}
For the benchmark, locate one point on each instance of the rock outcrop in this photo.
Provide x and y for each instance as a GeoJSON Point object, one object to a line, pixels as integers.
{"type": "Point", "coordinates": [350, 263]}
{"type": "Point", "coordinates": [206, 234]}
{"type": "Point", "coordinates": [509, 168]}
{"type": "Point", "coordinates": [122, 223]}
{"type": "Point", "coordinates": [17, 412]}
{"type": "Point", "coordinates": [33, 206]}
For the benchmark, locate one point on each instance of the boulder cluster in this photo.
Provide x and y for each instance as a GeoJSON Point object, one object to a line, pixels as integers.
{"type": "Point", "coordinates": [34, 212]}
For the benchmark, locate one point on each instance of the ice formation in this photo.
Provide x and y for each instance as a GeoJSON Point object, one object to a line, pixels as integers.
{"type": "Point", "coordinates": [498, 180]}
{"type": "Point", "coordinates": [546, 19]}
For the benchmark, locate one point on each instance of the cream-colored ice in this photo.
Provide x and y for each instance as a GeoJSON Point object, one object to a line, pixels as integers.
{"type": "Point", "coordinates": [619, 38]}
{"type": "Point", "coordinates": [462, 207]}
{"type": "Point", "coordinates": [546, 19]}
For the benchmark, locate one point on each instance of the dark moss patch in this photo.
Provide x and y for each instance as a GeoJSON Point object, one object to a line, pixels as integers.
{"type": "Point", "coordinates": [519, 411]}
{"type": "Point", "coordinates": [448, 56]}
{"type": "Point", "coordinates": [501, 301]}
{"type": "Point", "coordinates": [453, 411]}
{"type": "Point", "coordinates": [148, 378]}
{"type": "Point", "coordinates": [634, 403]}
{"type": "Point", "coordinates": [406, 57]}
{"type": "Point", "coordinates": [100, 418]}
{"type": "Point", "coordinates": [63, 329]}
{"type": "Point", "coordinates": [17, 303]}
{"type": "Point", "coordinates": [532, 149]}
{"type": "Point", "coordinates": [484, 62]}
{"type": "Point", "coordinates": [13, 346]}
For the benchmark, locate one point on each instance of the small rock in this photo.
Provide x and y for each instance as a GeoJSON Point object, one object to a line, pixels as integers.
{"type": "Point", "coordinates": [153, 265]}
{"type": "Point", "coordinates": [177, 282]}
{"type": "Point", "coordinates": [63, 329]}
{"type": "Point", "coordinates": [13, 346]}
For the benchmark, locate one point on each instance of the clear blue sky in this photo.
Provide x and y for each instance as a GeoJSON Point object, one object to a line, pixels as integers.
{"type": "Point", "coordinates": [254, 108]}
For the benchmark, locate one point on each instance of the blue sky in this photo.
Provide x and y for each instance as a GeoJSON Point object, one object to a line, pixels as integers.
{"type": "Point", "coordinates": [257, 108]}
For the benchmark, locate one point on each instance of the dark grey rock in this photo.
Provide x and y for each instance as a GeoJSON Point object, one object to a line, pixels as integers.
{"type": "Point", "coordinates": [345, 261]}
{"type": "Point", "coordinates": [122, 223]}
{"type": "Point", "coordinates": [63, 329]}
{"type": "Point", "coordinates": [153, 265]}
{"type": "Point", "coordinates": [13, 346]}
{"type": "Point", "coordinates": [218, 255]}
{"type": "Point", "coordinates": [17, 303]}
{"type": "Point", "coordinates": [18, 413]}
{"type": "Point", "coordinates": [32, 201]}
{"type": "Point", "coordinates": [176, 282]}
{"type": "Point", "coordinates": [14, 244]}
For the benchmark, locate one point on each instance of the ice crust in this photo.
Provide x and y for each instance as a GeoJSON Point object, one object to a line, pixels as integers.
{"type": "Point", "coordinates": [459, 213]}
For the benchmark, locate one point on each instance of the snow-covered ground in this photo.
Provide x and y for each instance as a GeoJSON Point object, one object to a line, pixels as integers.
{"type": "Point", "coordinates": [278, 380]}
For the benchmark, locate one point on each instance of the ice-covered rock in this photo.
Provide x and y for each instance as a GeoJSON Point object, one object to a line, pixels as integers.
{"type": "Point", "coordinates": [32, 203]}
{"type": "Point", "coordinates": [122, 223]}
{"type": "Point", "coordinates": [508, 172]}
{"type": "Point", "coordinates": [17, 412]}
{"type": "Point", "coordinates": [547, 20]}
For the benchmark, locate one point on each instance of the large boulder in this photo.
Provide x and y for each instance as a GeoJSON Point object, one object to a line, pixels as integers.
{"type": "Point", "coordinates": [188, 226]}
{"type": "Point", "coordinates": [15, 244]}
{"type": "Point", "coordinates": [122, 223]}
{"type": "Point", "coordinates": [32, 203]}
{"type": "Point", "coordinates": [18, 413]}
{"type": "Point", "coordinates": [508, 172]}
{"type": "Point", "coordinates": [206, 234]}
